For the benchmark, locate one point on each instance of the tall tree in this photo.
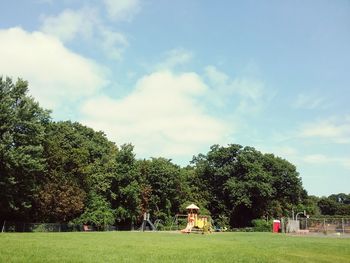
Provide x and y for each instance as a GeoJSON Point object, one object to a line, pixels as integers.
{"type": "Point", "coordinates": [243, 184]}
{"type": "Point", "coordinates": [287, 185]}
{"type": "Point", "coordinates": [335, 204]}
{"type": "Point", "coordinates": [22, 132]}
{"type": "Point", "coordinates": [167, 186]}
{"type": "Point", "coordinates": [124, 192]}
{"type": "Point", "coordinates": [98, 212]}
{"type": "Point", "coordinates": [77, 158]}
{"type": "Point", "coordinates": [59, 201]}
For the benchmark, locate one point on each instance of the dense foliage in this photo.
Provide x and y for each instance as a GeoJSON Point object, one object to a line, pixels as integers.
{"type": "Point", "coordinates": [22, 161]}
{"type": "Point", "coordinates": [66, 172]}
{"type": "Point", "coordinates": [243, 184]}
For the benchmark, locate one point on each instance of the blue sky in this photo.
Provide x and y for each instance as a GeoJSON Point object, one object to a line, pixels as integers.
{"type": "Point", "coordinates": [174, 77]}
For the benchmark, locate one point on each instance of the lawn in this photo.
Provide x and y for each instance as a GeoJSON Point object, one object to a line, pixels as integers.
{"type": "Point", "coordinates": [170, 247]}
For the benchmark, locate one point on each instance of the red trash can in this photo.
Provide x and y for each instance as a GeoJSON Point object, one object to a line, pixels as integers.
{"type": "Point", "coordinates": [276, 226]}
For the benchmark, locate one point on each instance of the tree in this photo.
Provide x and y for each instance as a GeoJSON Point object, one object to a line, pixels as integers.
{"type": "Point", "coordinates": [287, 185]}
{"type": "Point", "coordinates": [250, 189]}
{"type": "Point", "coordinates": [60, 201]}
{"type": "Point", "coordinates": [243, 184]}
{"type": "Point", "coordinates": [79, 161]}
{"type": "Point", "coordinates": [57, 171]}
{"type": "Point", "coordinates": [328, 206]}
{"type": "Point", "coordinates": [340, 198]}
{"type": "Point", "coordinates": [310, 206]}
{"type": "Point", "coordinates": [78, 153]}
{"type": "Point", "coordinates": [166, 185]}
{"type": "Point", "coordinates": [335, 204]}
{"type": "Point", "coordinates": [22, 164]}
{"type": "Point", "coordinates": [98, 212]}
{"type": "Point", "coordinates": [124, 192]}
{"type": "Point", "coordinates": [213, 171]}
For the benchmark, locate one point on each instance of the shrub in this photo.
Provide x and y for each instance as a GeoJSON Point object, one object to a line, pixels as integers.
{"type": "Point", "coordinates": [261, 225]}
{"type": "Point", "coordinates": [97, 213]}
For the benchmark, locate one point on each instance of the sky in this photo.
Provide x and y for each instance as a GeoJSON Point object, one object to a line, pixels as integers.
{"type": "Point", "coordinates": [175, 77]}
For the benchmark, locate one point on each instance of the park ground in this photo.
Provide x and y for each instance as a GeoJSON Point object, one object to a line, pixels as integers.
{"type": "Point", "coordinates": [170, 247]}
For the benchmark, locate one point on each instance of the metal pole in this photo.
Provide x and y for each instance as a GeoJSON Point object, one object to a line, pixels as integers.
{"type": "Point", "coordinates": [3, 227]}
{"type": "Point", "coordinates": [306, 224]}
{"type": "Point", "coordinates": [342, 224]}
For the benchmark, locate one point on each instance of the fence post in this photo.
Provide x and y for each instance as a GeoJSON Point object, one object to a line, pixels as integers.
{"type": "Point", "coordinates": [306, 226]}
{"type": "Point", "coordinates": [342, 225]}
{"type": "Point", "coordinates": [324, 225]}
{"type": "Point", "coordinates": [3, 227]}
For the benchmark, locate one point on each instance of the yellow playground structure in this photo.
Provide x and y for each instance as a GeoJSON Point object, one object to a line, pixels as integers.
{"type": "Point", "coordinates": [196, 223]}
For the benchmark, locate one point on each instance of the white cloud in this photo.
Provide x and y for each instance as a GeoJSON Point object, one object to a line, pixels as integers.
{"type": "Point", "coordinates": [321, 159]}
{"type": "Point", "coordinates": [284, 151]}
{"type": "Point", "coordinates": [175, 57]}
{"type": "Point", "coordinates": [248, 93]}
{"type": "Point", "coordinates": [56, 75]}
{"type": "Point", "coordinates": [86, 24]}
{"type": "Point", "coordinates": [122, 9]}
{"type": "Point", "coordinates": [309, 102]}
{"type": "Point", "coordinates": [317, 159]}
{"type": "Point", "coordinates": [216, 77]}
{"type": "Point", "coordinates": [335, 130]}
{"type": "Point", "coordinates": [251, 92]}
{"type": "Point", "coordinates": [113, 43]}
{"type": "Point", "coordinates": [70, 24]}
{"type": "Point", "coordinates": [162, 116]}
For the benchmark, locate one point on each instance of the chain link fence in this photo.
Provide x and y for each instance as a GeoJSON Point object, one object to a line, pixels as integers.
{"type": "Point", "coordinates": [9, 226]}
{"type": "Point", "coordinates": [326, 225]}
{"type": "Point", "coordinates": [318, 225]}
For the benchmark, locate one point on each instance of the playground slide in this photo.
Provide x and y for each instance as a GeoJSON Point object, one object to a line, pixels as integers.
{"type": "Point", "coordinates": [188, 228]}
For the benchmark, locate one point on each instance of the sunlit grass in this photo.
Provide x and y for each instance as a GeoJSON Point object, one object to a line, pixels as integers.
{"type": "Point", "coordinates": [170, 247]}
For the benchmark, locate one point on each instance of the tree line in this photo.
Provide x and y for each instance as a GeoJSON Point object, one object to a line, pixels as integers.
{"type": "Point", "coordinates": [66, 172]}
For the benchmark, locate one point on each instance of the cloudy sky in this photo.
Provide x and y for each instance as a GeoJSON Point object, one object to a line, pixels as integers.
{"type": "Point", "coordinates": [174, 77]}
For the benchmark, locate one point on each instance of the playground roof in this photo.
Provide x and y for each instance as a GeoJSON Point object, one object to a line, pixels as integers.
{"type": "Point", "coordinates": [192, 206]}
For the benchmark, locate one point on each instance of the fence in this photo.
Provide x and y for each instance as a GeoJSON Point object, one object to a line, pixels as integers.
{"type": "Point", "coordinates": [326, 225]}
{"type": "Point", "coordinates": [320, 225]}
{"type": "Point", "coordinates": [47, 227]}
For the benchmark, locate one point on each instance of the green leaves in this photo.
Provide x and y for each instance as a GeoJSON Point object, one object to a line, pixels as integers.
{"type": "Point", "coordinates": [22, 132]}
{"type": "Point", "coordinates": [58, 171]}
{"type": "Point", "coordinates": [98, 212]}
{"type": "Point", "coordinates": [60, 201]}
{"type": "Point", "coordinates": [242, 183]}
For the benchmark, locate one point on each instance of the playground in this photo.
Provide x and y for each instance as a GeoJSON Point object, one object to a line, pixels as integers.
{"type": "Point", "coordinates": [170, 247]}
{"type": "Point", "coordinates": [182, 244]}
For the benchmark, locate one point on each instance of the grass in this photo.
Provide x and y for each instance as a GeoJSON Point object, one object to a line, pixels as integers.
{"type": "Point", "coordinates": [170, 247]}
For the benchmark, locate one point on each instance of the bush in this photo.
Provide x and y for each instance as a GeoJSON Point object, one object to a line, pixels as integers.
{"type": "Point", "coordinates": [39, 228]}
{"type": "Point", "coordinates": [98, 213]}
{"type": "Point", "coordinates": [261, 225]}
{"type": "Point", "coordinates": [222, 222]}
{"type": "Point", "coordinates": [242, 229]}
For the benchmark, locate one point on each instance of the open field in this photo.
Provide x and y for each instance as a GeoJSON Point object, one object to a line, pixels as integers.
{"type": "Point", "coordinates": [170, 247]}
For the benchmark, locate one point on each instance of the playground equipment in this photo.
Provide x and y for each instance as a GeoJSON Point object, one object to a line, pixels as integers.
{"type": "Point", "coordinates": [147, 224]}
{"type": "Point", "coordinates": [179, 222]}
{"type": "Point", "coordinates": [195, 222]}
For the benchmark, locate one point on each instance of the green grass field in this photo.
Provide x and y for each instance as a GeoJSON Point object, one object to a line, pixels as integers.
{"type": "Point", "coordinates": [170, 247]}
